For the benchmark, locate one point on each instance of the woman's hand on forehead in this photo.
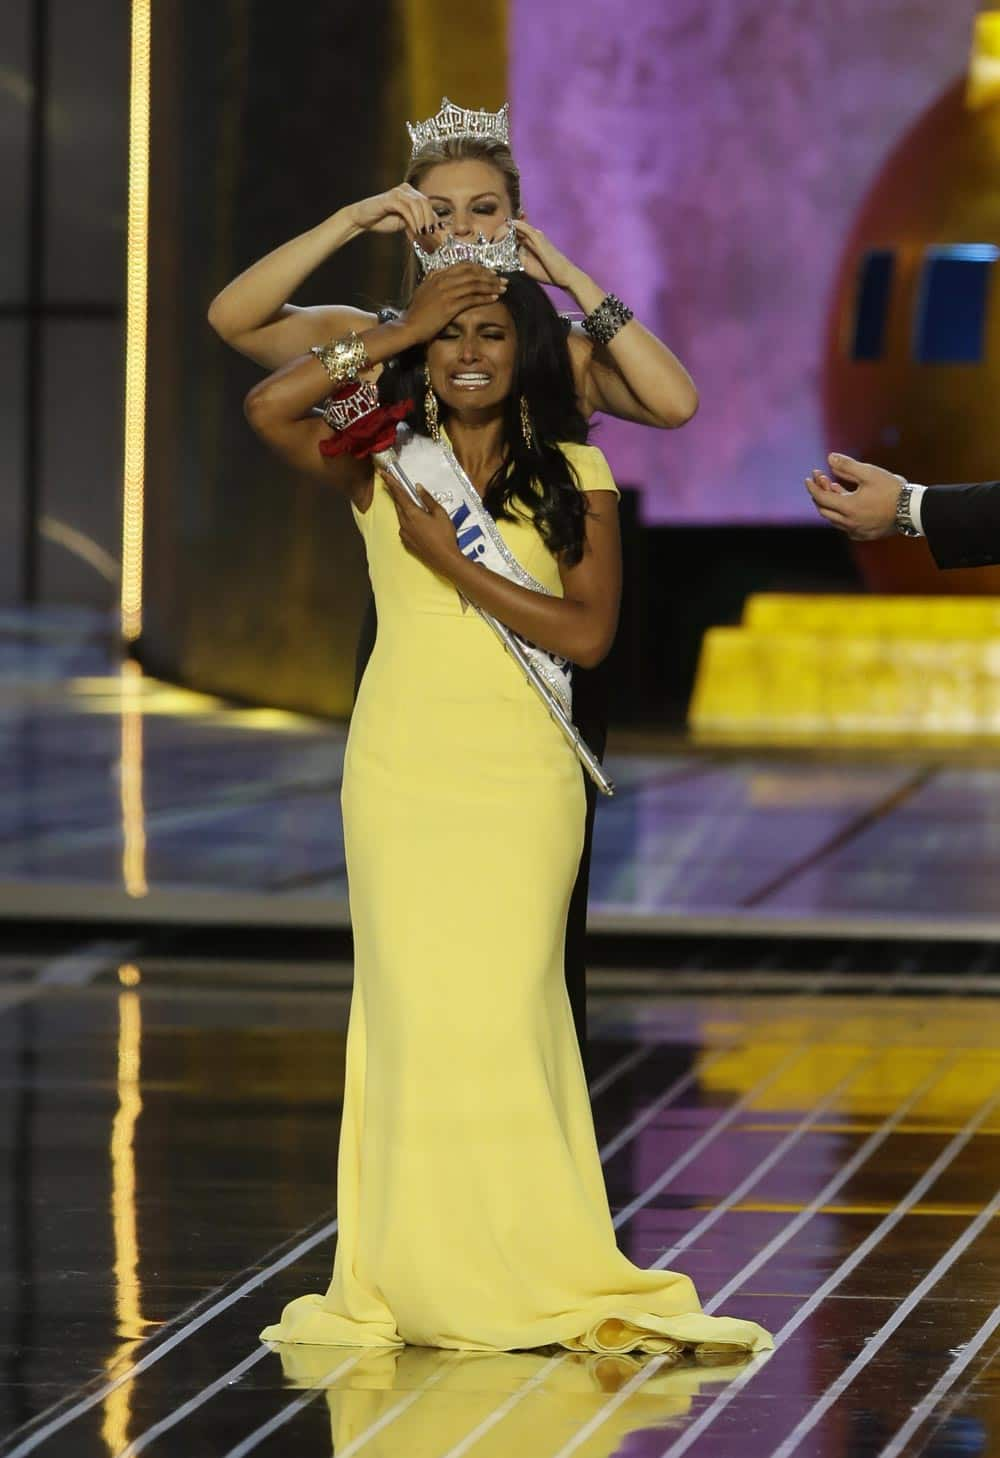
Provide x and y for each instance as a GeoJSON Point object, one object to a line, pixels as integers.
{"type": "Point", "coordinates": [444, 295]}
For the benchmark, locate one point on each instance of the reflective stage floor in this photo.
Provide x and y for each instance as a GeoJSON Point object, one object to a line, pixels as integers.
{"type": "Point", "coordinates": [795, 1070]}
{"type": "Point", "coordinates": [817, 1151]}
{"type": "Point", "coordinates": [127, 799]}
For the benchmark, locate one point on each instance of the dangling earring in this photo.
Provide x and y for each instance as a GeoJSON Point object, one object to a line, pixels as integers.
{"type": "Point", "coordinates": [527, 429]}
{"type": "Point", "coordinates": [431, 407]}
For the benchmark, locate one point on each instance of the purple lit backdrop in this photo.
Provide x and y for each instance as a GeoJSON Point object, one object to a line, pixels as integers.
{"type": "Point", "coordinates": [705, 161]}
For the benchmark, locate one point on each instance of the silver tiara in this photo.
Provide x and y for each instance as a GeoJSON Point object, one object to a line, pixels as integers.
{"type": "Point", "coordinates": [501, 254]}
{"type": "Point", "coordinates": [346, 411]}
{"type": "Point", "coordinates": [458, 121]}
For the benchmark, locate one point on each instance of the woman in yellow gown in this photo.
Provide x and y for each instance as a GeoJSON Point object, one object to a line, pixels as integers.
{"type": "Point", "coordinates": [471, 1200]}
{"type": "Point", "coordinates": [465, 181]}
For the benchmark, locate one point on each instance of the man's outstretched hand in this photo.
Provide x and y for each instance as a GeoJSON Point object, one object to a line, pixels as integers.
{"type": "Point", "coordinates": [864, 506]}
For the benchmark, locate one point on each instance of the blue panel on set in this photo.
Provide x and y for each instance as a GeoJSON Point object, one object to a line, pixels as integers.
{"type": "Point", "coordinates": [951, 313]}
{"type": "Point", "coordinates": [874, 287]}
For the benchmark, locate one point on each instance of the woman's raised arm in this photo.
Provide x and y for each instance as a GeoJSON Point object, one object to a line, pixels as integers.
{"type": "Point", "coordinates": [281, 408]}
{"type": "Point", "coordinates": [634, 377]}
{"type": "Point", "coordinates": [281, 411]}
{"type": "Point", "coordinates": [253, 313]}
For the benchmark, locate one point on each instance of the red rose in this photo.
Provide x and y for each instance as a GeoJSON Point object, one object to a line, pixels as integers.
{"type": "Point", "coordinates": [375, 431]}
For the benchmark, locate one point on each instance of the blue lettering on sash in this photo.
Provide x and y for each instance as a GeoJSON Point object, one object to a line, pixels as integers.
{"type": "Point", "coordinates": [471, 542]}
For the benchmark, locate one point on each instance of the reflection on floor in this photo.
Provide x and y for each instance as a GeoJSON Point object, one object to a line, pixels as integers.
{"type": "Point", "coordinates": [821, 1156]}
{"type": "Point", "coordinates": [123, 797]}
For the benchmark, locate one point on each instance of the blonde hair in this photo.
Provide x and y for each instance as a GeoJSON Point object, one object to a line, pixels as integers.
{"type": "Point", "coordinates": [469, 149]}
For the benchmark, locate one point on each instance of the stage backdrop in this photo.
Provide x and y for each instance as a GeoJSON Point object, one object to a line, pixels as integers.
{"type": "Point", "coordinates": [705, 162]}
{"type": "Point", "coordinates": [266, 118]}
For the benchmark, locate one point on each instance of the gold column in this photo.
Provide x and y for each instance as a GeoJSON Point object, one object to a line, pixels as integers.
{"type": "Point", "coordinates": [135, 322]}
{"type": "Point", "coordinates": [454, 49]}
{"type": "Point", "coordinates": [984, 63]}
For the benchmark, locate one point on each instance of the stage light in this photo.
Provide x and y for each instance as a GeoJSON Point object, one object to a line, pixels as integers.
{"type": "Point", "coordinates": [130, 782]}
{"type": "Point", "coordinates": [137, 262]}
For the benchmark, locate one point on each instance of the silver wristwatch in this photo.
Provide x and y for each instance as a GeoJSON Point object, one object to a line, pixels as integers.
{"type": "Point", "coordinates": [904, 521]}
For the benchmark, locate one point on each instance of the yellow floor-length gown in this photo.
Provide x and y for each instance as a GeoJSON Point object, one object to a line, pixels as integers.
{"type": "Point", "coordinates": [471, 1200]}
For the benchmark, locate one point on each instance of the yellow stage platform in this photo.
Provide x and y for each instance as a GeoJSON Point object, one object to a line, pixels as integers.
{"type": "Point", "coordinates": [846, 669]}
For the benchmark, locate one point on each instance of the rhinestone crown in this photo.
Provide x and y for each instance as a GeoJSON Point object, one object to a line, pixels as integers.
{"type": "Point", "coordinates": [344, 410]}
{"type": "Point", "coordinates": [501, 254]}
{"type": "Point", "coordinates": [459, 121]}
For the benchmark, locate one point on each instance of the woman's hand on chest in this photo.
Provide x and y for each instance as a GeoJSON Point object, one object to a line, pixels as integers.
{"type": "Point", "coordinates": [427, 535]}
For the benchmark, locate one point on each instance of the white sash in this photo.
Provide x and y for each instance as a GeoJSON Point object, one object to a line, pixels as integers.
{"type": "Point", "coordinates": [433, 465]}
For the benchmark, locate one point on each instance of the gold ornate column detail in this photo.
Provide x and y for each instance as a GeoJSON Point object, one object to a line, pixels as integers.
{"type": "Point", "coordinates": [136, 284]}
{"type": "Point", "coordinates": [455, 51]}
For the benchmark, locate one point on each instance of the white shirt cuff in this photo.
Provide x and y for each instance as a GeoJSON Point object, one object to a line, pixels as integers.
{"type": "Point", "coordinates": [916, 498]}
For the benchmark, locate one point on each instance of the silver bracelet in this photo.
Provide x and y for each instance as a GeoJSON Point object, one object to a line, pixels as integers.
{"type": "Point", "coordinates": [604, 323]}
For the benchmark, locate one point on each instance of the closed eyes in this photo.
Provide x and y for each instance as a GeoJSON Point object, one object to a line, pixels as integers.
{"type": "Point", "coordinates": [485, 209]}
{"type": "Point", "coordinates": [495, 334]}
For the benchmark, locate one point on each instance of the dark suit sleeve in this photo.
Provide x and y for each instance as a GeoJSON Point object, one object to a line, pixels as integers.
{"type": "Point", "coordinates": [962, 524]}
